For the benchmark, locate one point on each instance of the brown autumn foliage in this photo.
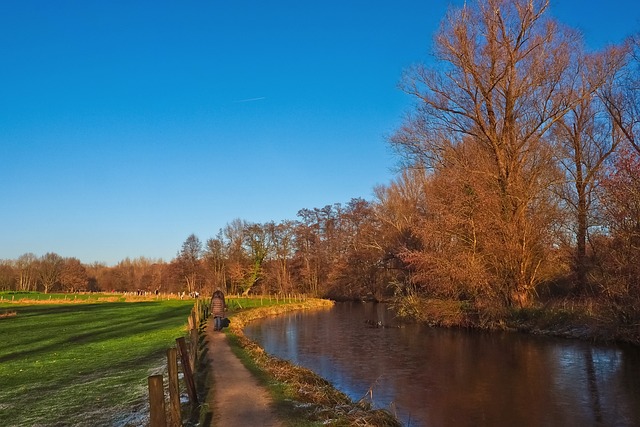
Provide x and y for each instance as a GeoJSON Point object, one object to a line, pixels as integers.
{"type": "Point", "coordinates": [515, 125]}
{"type": "Point", "coordinates": [467, 250]}
{"type": "Point", "coordinates": [497, 88]}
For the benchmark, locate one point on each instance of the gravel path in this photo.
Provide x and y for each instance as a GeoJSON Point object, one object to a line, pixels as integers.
{"type": "Point", "coordinates": [236, 398]}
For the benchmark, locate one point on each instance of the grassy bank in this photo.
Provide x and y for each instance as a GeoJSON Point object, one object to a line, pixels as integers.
{"type": "Point", "coordinates": [84, 363]}
{"type": "Point", "coordinates": [302, 397]}
{"type": "Point", "coordinates": [583, 319]}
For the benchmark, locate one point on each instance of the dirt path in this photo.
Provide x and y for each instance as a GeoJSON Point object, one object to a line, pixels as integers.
{"type": "Point", "coordinates": [236, 398]}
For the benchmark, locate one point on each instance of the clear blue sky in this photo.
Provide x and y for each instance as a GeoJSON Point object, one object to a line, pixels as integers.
{"type": "Point", "coordinates": [127, 125]}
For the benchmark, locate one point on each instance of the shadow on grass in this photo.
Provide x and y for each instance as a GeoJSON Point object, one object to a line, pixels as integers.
{"type": "Point", "coordinates": [114, 345]}
{"type": "Point", "coordinates": [97, 323]}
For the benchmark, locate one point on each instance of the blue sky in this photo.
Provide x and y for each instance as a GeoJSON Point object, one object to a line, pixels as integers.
{"type": "Point", "coordinates": [127, 125]}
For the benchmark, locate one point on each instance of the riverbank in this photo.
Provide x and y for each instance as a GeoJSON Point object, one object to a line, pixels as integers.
{"type": "Point", "coordinates": [301, 397]}
{"type": "Point", "coordinates": [581, 319]}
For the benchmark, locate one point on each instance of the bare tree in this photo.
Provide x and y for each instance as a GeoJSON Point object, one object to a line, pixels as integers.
{"type": "Point", "coordinates": [238, 262]}
{"type": "Point", "coordinates": [7, 275]}
{"type": "Point", "coordinates": [49, 269]}
{"type": "Point", "coordinates": [584, 139]}
{"type": "Point", "coordinates": [282, 238]}
{"type": "Point", "coordinates": [188, 261]}
{"type": "Point", "coordinates": [500, 82]}
{"type": "Point", "coordinates": [73, 275]}
{"type": "Point", "coordinates": [215, 259]}
{"type": "Point", "coordinates": [258, 242]}
{"type": "Point", "coordinates": [358, 269]}
{"type": "Point", "coordinates": [26, 265]}
{"type": "Point", "coordinates": [317, 246]}
{"type": "Point", "coordinates": [400, 209]}
{"type": "Point", "coordinates": [307, 257]}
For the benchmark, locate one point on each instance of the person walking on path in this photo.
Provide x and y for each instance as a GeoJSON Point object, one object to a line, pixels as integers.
{"type": "Point", "coordinates": [218, 307]}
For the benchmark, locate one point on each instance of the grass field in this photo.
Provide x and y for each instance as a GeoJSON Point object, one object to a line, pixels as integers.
{"type": "Point", "coordinates": [84, 363]}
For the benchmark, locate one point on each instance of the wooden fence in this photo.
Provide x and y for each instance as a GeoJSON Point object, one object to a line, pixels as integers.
{"type": "Point", "coordinates": [188, 357]}
{"type": "Point", "coordinates": [185, 356]}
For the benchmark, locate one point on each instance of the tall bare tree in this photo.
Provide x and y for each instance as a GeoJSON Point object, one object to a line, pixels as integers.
{"type": "Point", "coordinates": [500, 81]}
{"type": "Point", "coordinates": [27, 276]}
{"type": "Point", "coordinates": [238, 263]}
{"type": "Point", "coordinates": [317, 245]}
{"type": "Point", "coordinates": [188, 261]}
{"type": "Point", "coordinates": [282, 238]}
{"type": "Point", "coordinates": [258, 242]}
{"type": "Point", "coordinates": [400, 209]}
{"type": "Point", "coordinates": [584, 139]}
{"type": "Point", "coordinates": [215, 259]}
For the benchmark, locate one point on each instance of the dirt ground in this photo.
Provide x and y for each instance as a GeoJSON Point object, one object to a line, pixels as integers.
{"type": "Point", "coordinates": [236, 398]}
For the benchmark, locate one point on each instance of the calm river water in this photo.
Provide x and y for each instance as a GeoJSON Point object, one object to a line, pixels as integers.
{"type": "Point", "coordinates": [439, 377]}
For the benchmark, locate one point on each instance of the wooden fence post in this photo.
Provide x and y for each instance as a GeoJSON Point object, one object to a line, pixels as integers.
{"type": "Point", "coordinates": [193, 340]}
{"type": "Point", "coordinates": [197, 312]}
{"type": "Point", "coordinates": [174, 388]}
{"type": "Point", "coordinates": [186, 370]}
{"type": "Point", "coordinates": [156, 402]}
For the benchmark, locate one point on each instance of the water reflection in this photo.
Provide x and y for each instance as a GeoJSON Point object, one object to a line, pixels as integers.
{"type": "Point", "coordinates": [437, 377]}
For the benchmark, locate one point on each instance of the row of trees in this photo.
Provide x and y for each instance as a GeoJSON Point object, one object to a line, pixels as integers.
{"type": "Point", "coordinates": [328, 251]}
{"type": "Point", "coordinates": [53, 273]}
{"type": "Point", "coordinates": [47, 273]}
{"type": "Point", "coordinates": [520, 179]}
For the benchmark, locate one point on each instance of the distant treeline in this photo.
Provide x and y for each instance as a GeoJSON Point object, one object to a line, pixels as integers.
{"type": "Point", "coordinates": [519, 186]}
{"type": "Point", "coordinates": [330, 251]}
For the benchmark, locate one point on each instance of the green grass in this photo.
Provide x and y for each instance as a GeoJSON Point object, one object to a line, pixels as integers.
{"type": "Point", "coordinates": [82, 363]}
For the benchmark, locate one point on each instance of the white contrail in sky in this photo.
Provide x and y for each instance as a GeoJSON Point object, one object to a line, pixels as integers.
{"type": "Point", "coordinates": [251, 99]}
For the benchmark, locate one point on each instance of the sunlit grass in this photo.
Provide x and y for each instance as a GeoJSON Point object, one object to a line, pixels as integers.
{"type": "Point", "coordinates": [84, 363]}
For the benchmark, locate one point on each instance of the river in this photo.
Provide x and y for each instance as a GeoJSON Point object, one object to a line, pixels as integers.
{"type": "Point", "coordinates": [448, 377]}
